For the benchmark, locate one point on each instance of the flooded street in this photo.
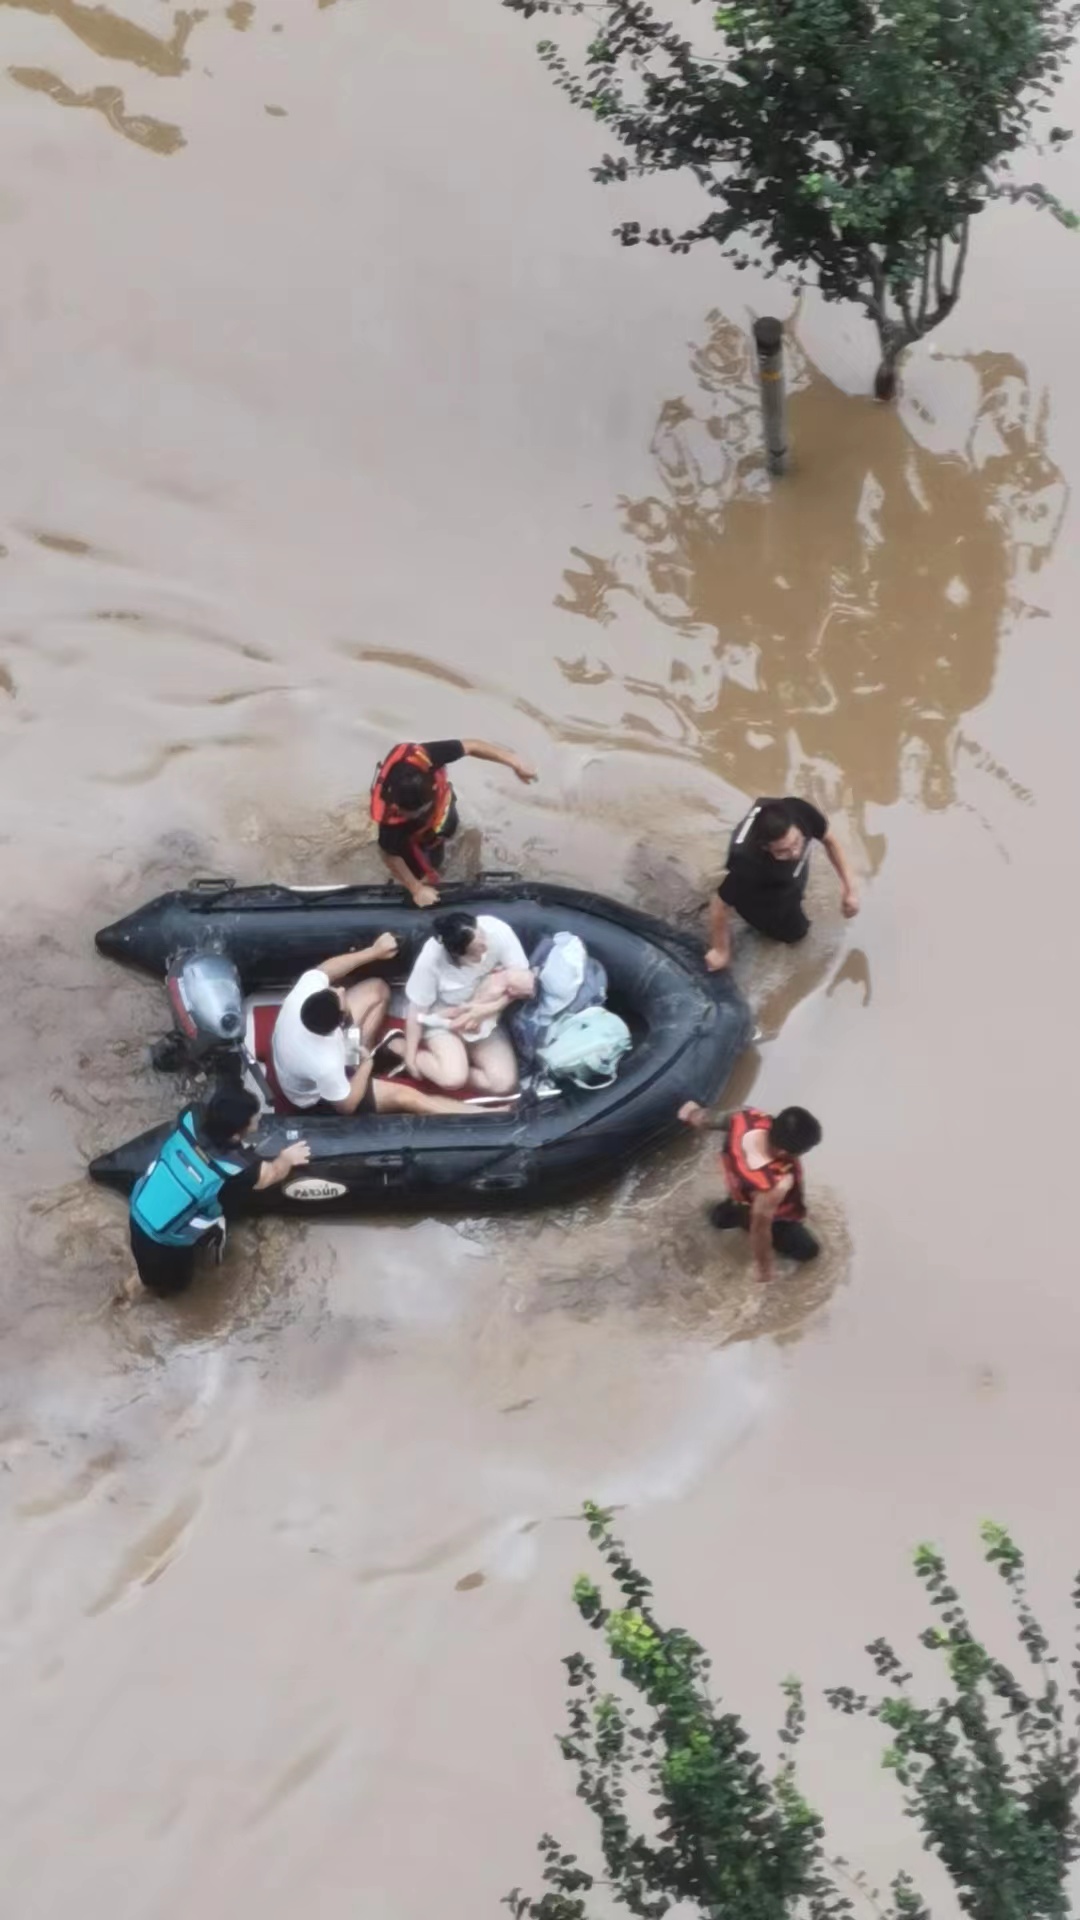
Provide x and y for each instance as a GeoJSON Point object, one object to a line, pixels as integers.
{"type": "Point", "coordinates": [333, 416]}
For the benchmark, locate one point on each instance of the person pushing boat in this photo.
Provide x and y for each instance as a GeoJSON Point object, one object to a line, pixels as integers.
{"type": "Point", "coordinates": [178, 1205]}
{"type": "Point", "coordinates": [768, 866]}
{"type": "Point", "coordinates": [415, 811]}
{"type": "Point", "coordinates": [761, 1157]}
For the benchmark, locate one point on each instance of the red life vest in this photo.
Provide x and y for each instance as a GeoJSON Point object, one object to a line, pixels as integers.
{"type": "Point", "coordinates": [746, 1182]}
{"type": "Point", "coordinates": [424, 829]}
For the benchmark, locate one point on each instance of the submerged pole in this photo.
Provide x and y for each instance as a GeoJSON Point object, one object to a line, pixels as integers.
{"type": "Point", "coordinates": [769, 341]}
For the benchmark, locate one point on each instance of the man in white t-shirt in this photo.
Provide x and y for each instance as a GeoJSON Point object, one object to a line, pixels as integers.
{"type": "Point", "coordinates": [310, 1048]}
{"type": "Point", "coordinates": [462, 981]}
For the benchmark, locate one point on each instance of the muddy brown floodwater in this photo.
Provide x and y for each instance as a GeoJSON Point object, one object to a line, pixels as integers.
{"type": "Point", "coordinates": [331, 414]}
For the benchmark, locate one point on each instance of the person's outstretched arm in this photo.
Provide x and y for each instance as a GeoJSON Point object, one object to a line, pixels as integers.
{"type": "Point", "coordinates": [340, 965]}
{"type": "Point", "coordinates": [849, 892]}
{"type": "Point", "coordinates": [420, 892]}
{"type": "Point", "coordinates": [704, 1119]}
{"type": "Point", "coordinates": [273, 1172]}
{"type": "Point", "coordinates": [719, 954]}
{"type": "Point", "coordinates": [502, 756]}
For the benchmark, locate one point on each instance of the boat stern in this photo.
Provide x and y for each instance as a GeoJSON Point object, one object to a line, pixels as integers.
{"type": "Point", "coordinates": [123, 1165]}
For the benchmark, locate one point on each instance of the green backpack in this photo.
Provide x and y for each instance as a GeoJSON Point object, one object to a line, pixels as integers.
{"type": "Point", "coordinates": [586, 1047]}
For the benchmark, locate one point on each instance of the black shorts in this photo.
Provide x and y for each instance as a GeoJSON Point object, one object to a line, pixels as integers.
{"type": "Point", "coordinates": [367, 1104]}
{"type": "Point", "coordinates": [790, 1238]}
{"type": "Point", "coordinates": [776, 912]}
{"type": "Point", "coordinates": [162, 1270]}
{"type": "Point", "coordinates": [435, 853]}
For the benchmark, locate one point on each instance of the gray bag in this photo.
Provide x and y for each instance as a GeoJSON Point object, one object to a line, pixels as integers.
{"type": "Point", "coordinates": [526, 1022]}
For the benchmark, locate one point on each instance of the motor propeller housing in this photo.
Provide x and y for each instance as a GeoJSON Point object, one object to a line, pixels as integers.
{"type": "Point", "coordinates": [207, 1003]}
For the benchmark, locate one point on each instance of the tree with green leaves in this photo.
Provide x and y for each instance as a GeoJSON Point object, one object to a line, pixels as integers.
{"type": "Point", "coordinates": [688, 1811]}
{"type": "Point", "coordinates": [847, 142]}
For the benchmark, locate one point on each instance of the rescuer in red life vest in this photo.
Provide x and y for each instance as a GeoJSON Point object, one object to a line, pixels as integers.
{"type": "Point", "coordinates": [413, 806]}
{"type": "Point", "coordinates": [762, 1166]}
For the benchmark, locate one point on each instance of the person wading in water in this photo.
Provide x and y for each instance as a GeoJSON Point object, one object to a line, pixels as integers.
{"type": "Point", "coordinates": [768, 866]}
{"type": "Point", "coordinates": [761, 1160]}
{"type": "Point", "coordinates": [413, 806]}
{"type": "Point", "coordinates": [179, 1204]}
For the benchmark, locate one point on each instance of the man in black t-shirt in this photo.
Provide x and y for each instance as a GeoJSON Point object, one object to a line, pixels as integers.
{"type": "Point", "coordinates": [768, 866]}
{"type": "Point", "coordinates": [413, 806]}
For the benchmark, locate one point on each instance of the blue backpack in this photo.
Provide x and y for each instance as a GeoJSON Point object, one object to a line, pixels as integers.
{"type": "Point", "coordinates": [180, 1189]}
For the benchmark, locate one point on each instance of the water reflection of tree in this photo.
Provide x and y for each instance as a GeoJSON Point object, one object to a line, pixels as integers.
{"type": "Point", "coordinates": [832, 630]}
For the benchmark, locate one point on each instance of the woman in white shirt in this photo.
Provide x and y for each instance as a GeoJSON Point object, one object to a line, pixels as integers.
{"type": "Point", "coordinates": [463, 980]}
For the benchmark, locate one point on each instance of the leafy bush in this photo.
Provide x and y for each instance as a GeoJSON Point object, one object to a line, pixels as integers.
{"type": "Point", "coordinates": [989, 1771]}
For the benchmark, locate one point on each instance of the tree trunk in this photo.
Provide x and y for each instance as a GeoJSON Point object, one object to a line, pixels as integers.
{"type": "Point", "coordinates": [893, 341]}
{"type": "Point", "coordinates": [924, 304]}
{"type": "Point", "coordinates": [885, 378]}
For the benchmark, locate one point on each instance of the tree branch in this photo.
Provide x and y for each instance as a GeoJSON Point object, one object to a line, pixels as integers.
{"type": "Point", "coordinates": [924, 296]}
{"type": "Point", "coordinates": [1038, 196]}
{"type": "Point", "coordinates": [960, 262]}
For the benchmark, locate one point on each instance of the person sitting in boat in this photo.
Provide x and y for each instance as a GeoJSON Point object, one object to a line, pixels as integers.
{"type": "Point", "coordinates": [463, 980]}
{"type": "Point", "coordinates": [311, 1051]}
{"type": "Point", "coordinates": [761, 1159]}
{"type": "Point", "coordinates": [768, 865]}
{"type": "Point", "coordinates": [179, 1203]}
{"type": "Point", "coordinates": [413, 806]}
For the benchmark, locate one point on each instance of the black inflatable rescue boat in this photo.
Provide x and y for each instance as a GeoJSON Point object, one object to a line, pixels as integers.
{"type": "Point", "coordinates": [688, 1028]}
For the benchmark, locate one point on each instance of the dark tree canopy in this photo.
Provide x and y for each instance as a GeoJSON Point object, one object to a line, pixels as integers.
{"type": "Point", "coordinates": [847, 141]}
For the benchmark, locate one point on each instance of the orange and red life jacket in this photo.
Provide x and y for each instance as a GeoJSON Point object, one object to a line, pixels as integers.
{"type": "Point", "coordinates": [424, 829]}
{"type": "Point", "coordinates": [746, 1182]}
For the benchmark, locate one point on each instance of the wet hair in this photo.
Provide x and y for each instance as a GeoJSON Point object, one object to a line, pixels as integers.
{"type": "Point", "coordinates": [410, 788]}
{"type": "Point", "coordinates": [772, 823]}
{"type": "Point", "coordinates": [456, 932]}
{"type": "Point", "coordinates": [794, 1131]}
{"type": "Point", "coordinates": [321, 1012]}
{"type": "Point", "coordinates": [227, 1112]}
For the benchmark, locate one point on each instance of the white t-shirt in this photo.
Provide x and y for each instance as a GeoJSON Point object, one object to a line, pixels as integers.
{"type": "Point", "coordinates": [437, 981]}
{"type": "Point", "coordinates": [310, 1066]}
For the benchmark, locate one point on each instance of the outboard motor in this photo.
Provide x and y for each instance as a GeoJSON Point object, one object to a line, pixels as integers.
{"type": "Point", "coordinates": [208, 1011]}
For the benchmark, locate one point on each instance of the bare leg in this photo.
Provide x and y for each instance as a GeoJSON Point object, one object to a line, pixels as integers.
{"type": "Point", "coordinates": [367, 1006]}
{"type": "Point", "coordinates": [493, 1066]}
{"type": "Point", "coordinates": [390, 1098]}
{"type": "Point", "coordinates": [442, 1059]}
